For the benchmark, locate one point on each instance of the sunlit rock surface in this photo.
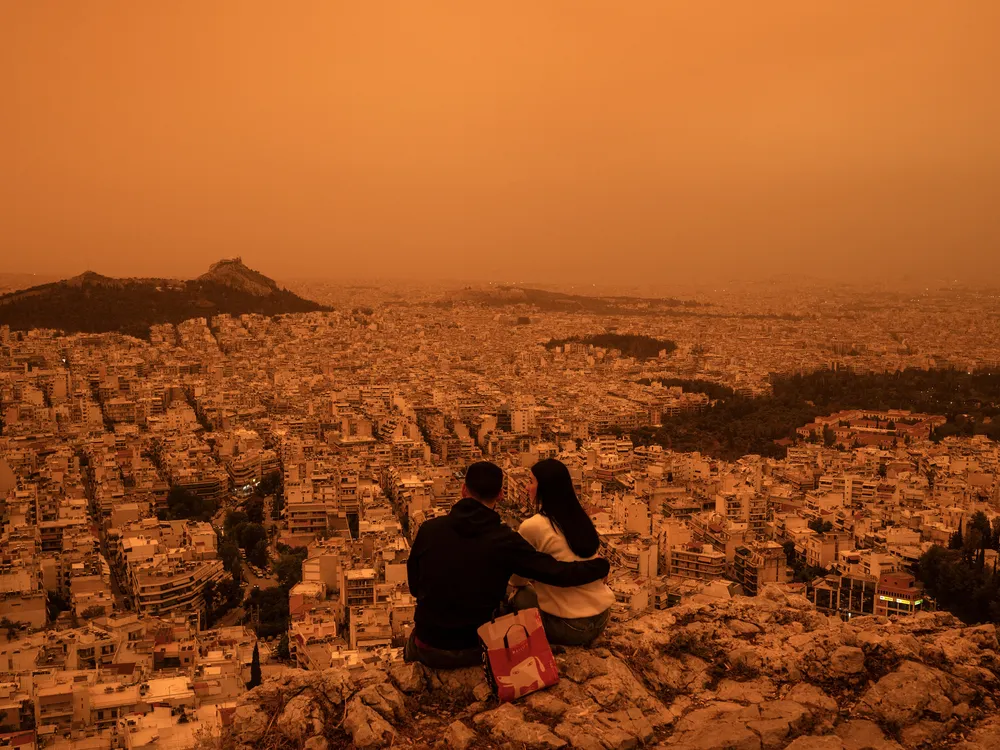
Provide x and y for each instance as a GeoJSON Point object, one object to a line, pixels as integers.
{"type": "Point", "coordinates": [747, 674]}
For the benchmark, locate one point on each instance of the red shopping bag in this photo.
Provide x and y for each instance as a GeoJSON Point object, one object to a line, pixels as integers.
{"type": "Point", "coordinates": [516, 655]}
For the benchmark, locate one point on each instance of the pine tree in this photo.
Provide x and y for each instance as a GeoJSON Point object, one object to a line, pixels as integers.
{"type": "Point", "coordinates": [255, 678]}
{"type": "Point", "coordinates": [956, 541]}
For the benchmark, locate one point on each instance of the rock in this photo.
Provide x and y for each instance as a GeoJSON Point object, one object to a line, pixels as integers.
{"type": "Point", "coordinates": [795, 714]}
{"type": "Point", "coordinates": [741, 628]}
{"type": "Point", "coordinates": [922, 733]}
{"type": "Point", "coordinates": [903, 696]}
{"type": "Point", "coordinates": [746, 658]}
{"type": "Point", "coordinates": [385, 699]}
{"type": "Point", "coordinates": [847, 660]}
{"type": "Point", "coordinates": [366, 727]}
{"type": "Point", "coordinates": [504, 712]}
{"type": "Point", "coordinates": [545, 702]}
{"type": "Point", "coordinates": [580, 665]}
{"type": "Point", "coordinates": [754, 691]}
{"type": "Point", "coordinates": [408, 677]}
{"type": "Point", "coordinates": [812, 696]}
{"type": "Point", "coordinates": [692, 669]}
{"type": "Point", "coordinates": [507, 723]}
{"type": "Point", "coordinates": [605, 690]}
{"type": "Point", "coordinates": [860, 734]}
{"type": "Point", "coordinates": [867, 638]}
{"type": "Point", "coordinates": [717, 726]}
{"type": "Point", "coordinates": [482, 691]}
{"type": "Point", "coordinates": [301, 718]}
{"type": "Point", "coordinates": [772, 732]}
{"type": "Point", "coordinates": [456, 681]}
{"type": "Point", "coordinates": [578, 736]}
{"type": "Point", "coordinates": [826, 742]}
{"type": "Point", "coordinates": [458, 736]}
{"type": "Point", "coordinates": [985, 737]}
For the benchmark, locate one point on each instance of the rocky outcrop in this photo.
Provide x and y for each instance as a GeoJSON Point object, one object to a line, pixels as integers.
{"type": "Point", "coordinates": [747, 674]}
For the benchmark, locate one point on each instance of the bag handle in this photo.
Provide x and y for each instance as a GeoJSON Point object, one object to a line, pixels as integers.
{"type": "Point", "coordinates": [506, 642]}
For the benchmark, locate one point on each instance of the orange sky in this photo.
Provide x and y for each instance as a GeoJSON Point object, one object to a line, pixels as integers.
{"type": "Point", "coordinates": [540, 140]}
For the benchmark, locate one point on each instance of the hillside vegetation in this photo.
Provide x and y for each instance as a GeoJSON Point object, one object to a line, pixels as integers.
{"type": "Point", "coordinates": [92, 303]}
{"type": "Point", "coordinates": [630, 345]}
{"type": "Point", "coordinates": [736, 425]}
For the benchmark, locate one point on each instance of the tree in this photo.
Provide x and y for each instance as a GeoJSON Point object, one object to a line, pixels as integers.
{"type": "Point", "coordinates": [996, 533]}
{"type": "Point", "coordinates": [882, 471]}
{"type": "Point", "coordinates": [55, 604]}
{"type": "Point", "coordinates": [980, 525]}
{"type": "Point", "coordinates": [258, 554]}
{"type": "Point", "coordinates": [283, 651]}
{"type": "Point", "coordinates": [229, 553]}
{"type": "Point", "coordinates": [271, 606]}
{"type": "Point", "coordinates": [829, 436]}
{"type": "Point", "coordinates": [958, 584]}
{"type": "Point", "coordinates": [182, 504]}
{"type": "Point", "coordinates": [269, 485]}
{"type": "Point", "coordinates": [209, 592]}
{"type": "Point", "coordinates": [820, 526]}
{"type": "Point", "coordinates": [789, 550]}
{"type": "Point", "coordinates": [255, 677]}
{"type": "Point", "coordinates": [288, 567]}
{"type": "Point", "coordinates": [249, 534]}
{"type": "Point", "coordinates": [91, 612]}
{"type": "Point", "coordinates": [956, 541]}
{"type": "Point", "coordinates": [234, 519]}
{"type": "Point", "coordinates": [255, 510]}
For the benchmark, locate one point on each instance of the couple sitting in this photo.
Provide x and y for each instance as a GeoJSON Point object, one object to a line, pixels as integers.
{"type": "Point", "coordinates": [460, 566]}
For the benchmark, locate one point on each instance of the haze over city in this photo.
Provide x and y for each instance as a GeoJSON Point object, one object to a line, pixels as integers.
{"type": "Point", "coordinates": [466, 376]}
{"type": "Point", "coordinates": [463, 140]}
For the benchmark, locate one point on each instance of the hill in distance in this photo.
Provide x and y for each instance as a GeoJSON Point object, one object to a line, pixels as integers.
{"type": "Point", "coordinates": [502, 296]}
{"type": "Point", "coordinates": [92, 303]}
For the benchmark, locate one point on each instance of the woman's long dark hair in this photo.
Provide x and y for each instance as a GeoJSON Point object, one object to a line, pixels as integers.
{"type": "Point", "coordinates": [557, 501]}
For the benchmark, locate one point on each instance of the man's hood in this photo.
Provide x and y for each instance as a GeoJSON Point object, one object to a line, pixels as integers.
{"type": "Point", "coordinates": [472, 518]}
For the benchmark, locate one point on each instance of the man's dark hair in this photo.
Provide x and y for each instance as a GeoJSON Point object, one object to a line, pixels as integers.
{"type": "Point", "coordinates": [484, 480]}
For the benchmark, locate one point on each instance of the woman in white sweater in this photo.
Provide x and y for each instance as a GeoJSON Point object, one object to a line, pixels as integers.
{"type": "Point", "coordinates": [561, 528]}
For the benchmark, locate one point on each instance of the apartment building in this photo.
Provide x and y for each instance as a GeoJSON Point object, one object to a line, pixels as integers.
{"type": "Point", "coordinates": [899, 594]}
{"type": "Point", "coordinates": [759, 563]}
{"type": "Point", "coordinates": [167, 585]}
{"type": "Point", "coordinates": [700, 561]}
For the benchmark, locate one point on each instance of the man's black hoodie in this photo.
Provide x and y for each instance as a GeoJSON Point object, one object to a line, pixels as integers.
{"type": "Point", "coordinates": [459, 567]}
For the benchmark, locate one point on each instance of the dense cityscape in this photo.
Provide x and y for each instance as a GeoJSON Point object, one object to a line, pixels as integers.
{"type": "Point", "coordinates": [189, 513]}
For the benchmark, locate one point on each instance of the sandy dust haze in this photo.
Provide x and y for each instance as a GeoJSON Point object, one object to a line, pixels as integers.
{"type": "Point", "coordinates": [544, 140]}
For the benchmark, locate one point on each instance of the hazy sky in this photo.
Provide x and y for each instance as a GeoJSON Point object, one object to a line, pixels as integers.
{"type": "Point", "coordinates": [543, 140]}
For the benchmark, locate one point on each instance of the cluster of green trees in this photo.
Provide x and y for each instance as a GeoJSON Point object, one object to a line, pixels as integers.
{"type": "Point", "coordinates": [221, 597]}
{"type": "Point", "coordinates": [801, 571]}
{"type": "Point", "coordinates": [271, 486]}
{"type": "Point", "coordinates": [182, 504]}
{"type": "Point", "coordinates": [630, 345]}
{"type": "Point", "coordinates": [958, 577]}
{"type": "Point", "coordinates": [715, 391]}
{"type": "Point", "coordinates": [820, 526]}
{"type": "Point", "coordinates": [270, 605]}
{"type": "Point", "coordinates": [246, 534]}
{"type": "Point", "coordinates": [738, 425]}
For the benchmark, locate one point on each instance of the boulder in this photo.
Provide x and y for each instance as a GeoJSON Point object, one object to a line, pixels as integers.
{"type": "Point", "coordinates": [746, 673]}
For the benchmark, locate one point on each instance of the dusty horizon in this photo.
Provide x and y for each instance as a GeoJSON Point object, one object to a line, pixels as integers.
{"type": "Point", "coordinates": [552, 142]}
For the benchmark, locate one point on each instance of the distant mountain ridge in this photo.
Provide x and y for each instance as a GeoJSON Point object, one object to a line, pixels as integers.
{"type": "Point", "coordinates": [93, 303]}
{"type": "Point", "coordinates": [543, 299]}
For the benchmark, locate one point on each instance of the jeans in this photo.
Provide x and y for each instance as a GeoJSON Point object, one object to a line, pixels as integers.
{"type": "Point", "coordinates": [441, 658]}
{"type": "Point", "coordinates": [563, 631]}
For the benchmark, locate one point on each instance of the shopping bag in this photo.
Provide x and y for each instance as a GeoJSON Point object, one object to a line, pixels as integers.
{"type": "Point", "coordinates": [517, 658]}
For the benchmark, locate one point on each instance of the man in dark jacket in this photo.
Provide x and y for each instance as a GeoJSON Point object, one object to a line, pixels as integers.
{"type": "Point", "coordinates": [459, 567]}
